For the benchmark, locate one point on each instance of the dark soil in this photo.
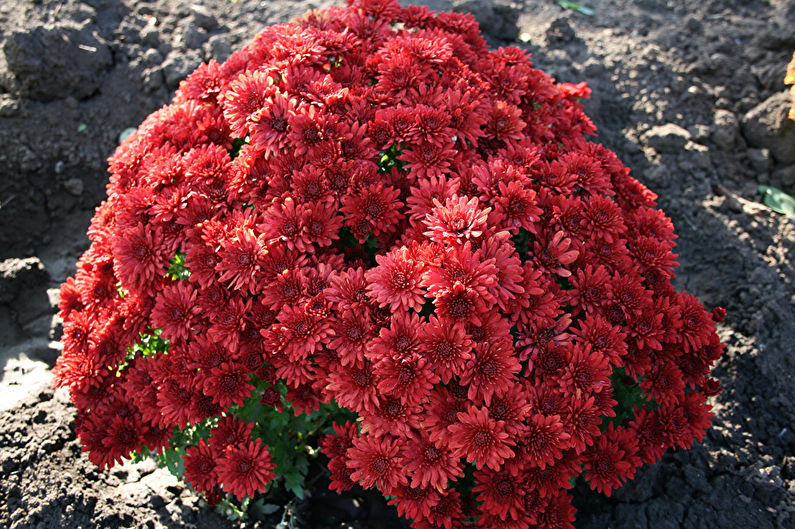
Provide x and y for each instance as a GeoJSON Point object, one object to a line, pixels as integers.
{"type": "Point", "coordinates": [688, 93]}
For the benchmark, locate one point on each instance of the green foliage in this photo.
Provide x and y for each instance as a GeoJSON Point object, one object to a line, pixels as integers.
{"type": "Point", "coordinates": [427, 309]}
{"type": "Point", "coordinates": [291, 439]}
{"type": "Point", "coordinates": [628, 393]}
{"type": "Point", "coordinates": [575, 6]}
{"type": "Point", "coordinates": [171, 457]}
{"type": "Point", "coordinates": [521, 242]}
{"type": "Point", "coordinates": [148, 344]}
{"type": "Point", "coordinates": [778, 200]}
{"type": "Point", "coordinates": [370, 247]}
{"type": "Point", "coordinates": [389, 159]}
{"type": "Point", "coordinates": [177, 268]}
{"type": "Point", "coordinates": [237, 144]}
{"type": "Point", "coordinates": [234, 512]}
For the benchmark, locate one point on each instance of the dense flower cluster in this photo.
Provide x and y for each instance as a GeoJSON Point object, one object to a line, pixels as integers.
{"type": "Point", "coordinates": [376, 208]}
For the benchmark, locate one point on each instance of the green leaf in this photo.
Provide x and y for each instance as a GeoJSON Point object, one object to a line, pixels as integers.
{"type": "Point", "coordinates": [237, 144]}
{"type": "Point", "coordinates": [294, 482]}
{"type": "Point", "coordinates": [258, 509]}
{"type": "Point", "coordinates": [177, 269]}
{"type": "Point", "coordinates": [82, 127]}
{"type": "Point", "coordinates": [575, 6]}
{"type": "Point", "coordinates": [778, 200]}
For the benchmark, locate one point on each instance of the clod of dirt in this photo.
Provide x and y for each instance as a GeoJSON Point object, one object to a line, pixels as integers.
{"type": "Point", "coordinates": [19, 275]}
{"type": "Point", "coordinates": [784, 176]}
{"type": "Point", "coordinates": [203, 17]}
{"type": "Point", "coordinates": [178, 66]}
{"type": "Point", "coordinates": [725, 129]}
{"type": "Point", "coordinates": [668, 138]}
{"type": "Point", "coordinates": [56, 62]}
{"type": "Point", "coordinates": [560, 32]}
{"type": "Point", "coordinates": [767, 125]}
{"type": "Point", "coordinates": [498, 20]}
{"type": "Point", "coordinates": [761, 160]}
{"type": "Point", "coordinates": [23, 299]}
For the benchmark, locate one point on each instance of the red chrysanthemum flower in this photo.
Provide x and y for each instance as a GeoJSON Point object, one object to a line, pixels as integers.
{"type": "Point", "coordinates": [200, 467]}
{"type": "Point", "coordinates": [174, 311]}
{"type": "Point", "coordinates": [605, 466]}
{"type": "Point", "coordinates": [395, 282]}
{"type": "Point", "coordinates": [428, 464]}
{"type": "Point", "coordinates": [354, 387]}
{"type": "Point", "coordinates": [458, 220]}
{"type": "Point", "coordinates": [376, 462]}
{"type": "Point", "coordinates": [544, 440]}
{"type": "Point", "coordinates": [228, 384]}
{"type": "Point", "coordinates": [245, 468]}
{"type": "Point", "coordinates": [428, 159]}
{"type": "Point", "coordinates": [352, 332]}
{"type": "Point", "coordinates": [140, 258]}
{"type": "Point", "coordinates": [501, 493]}
{"type": "Point", "coordinates": [375, 209]}
{"type": "Point", "coordinates": [480, 439]}
{"type": "Point", "coordinates": [247, 95]}
{"type": "Point", "coordinates": [447, 347]}
{"type": "Point", "coordinates": [241, 259]}
{"type": "Point", "coordinates": [408, 377]}
{"type": "Point", "coordinates": [442, 411]}
{"type": "Point", "coordinates": [493, 366]}
{"type": "Point", "coordinates": [269, 125]}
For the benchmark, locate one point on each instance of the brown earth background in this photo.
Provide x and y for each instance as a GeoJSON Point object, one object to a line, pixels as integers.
{"type": "Point", "coordinates": [689, 94]}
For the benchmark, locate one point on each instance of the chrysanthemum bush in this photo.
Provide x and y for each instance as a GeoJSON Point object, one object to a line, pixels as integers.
{"type": "Point", "coordinates": [369, 223]}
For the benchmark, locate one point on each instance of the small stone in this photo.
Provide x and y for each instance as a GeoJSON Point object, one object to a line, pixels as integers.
{"type": "Point", "coordinates": [56, 328]}
{"type": "Point", "coordinates": [699, 132]}
{"type": "Point", "coordinates": [784, 176]}
{"type": "Point", "coordinates": [593, 68]}
{"type": "Point", "coordinates": [696, 478]}
{"type": "Point", "coordinates": [74, 186]}
{"type": "Point", "coordinates": [177, 67]}
{"type": "Point", "coordinates": [218, 48]}
{"type": "Point", "coordinates": [153, 57]}
{"type": "Point", "coordinates": [153, 79]}
{"type": "Point", "coordinates": [698, 155]}
{"type": "Point", "coordinates": [693, 25]}
{"type": "Point", "coordinates": [725, 129]}
{"type": "Point", "coordinates": [730, 203]}
{"type": "Point", "coordinates": [21, 276]}
{"type": "Point", "coordinates": [497, 19]}
{"type": "Point", "coordinates": [9, 106]}
{"type": "Point", "coordinates": [668, 138]}
{"type": "Point", "coordinates": [657, 176]}
{"type": "Point", "coordinates": [203, 17]}
{"type": "Point", "coordinates": [761, 159]}
{"type": "Point", "coordinates": [194, 37]}
{"type": "Point", "coordinates": [150, 35]}
{"type": "Point", "coordinates": [767, 125]}
{"type": "Point", "coordinates": [560, 31]}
